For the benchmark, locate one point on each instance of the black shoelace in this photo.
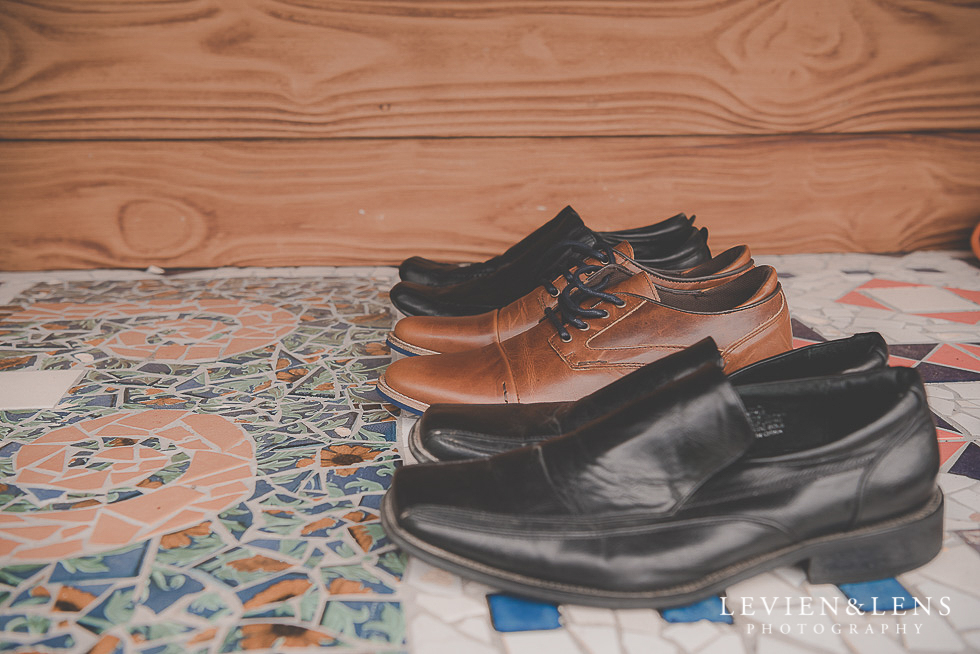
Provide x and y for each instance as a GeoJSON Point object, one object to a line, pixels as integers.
{"type": "Point", "coordinates": [577, 291]}
{"type": "Point", "coordinates": [601, 252]}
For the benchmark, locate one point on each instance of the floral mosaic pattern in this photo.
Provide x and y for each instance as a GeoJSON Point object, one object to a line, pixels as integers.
{"type": "Point", "coordinates": [111, 481]}
{"type": "Point", "coordinates": [211, 483]}
{"type": "Point", "coordinates": [291, 556]}
{"type": "Point", "coordinates": [207, 329]}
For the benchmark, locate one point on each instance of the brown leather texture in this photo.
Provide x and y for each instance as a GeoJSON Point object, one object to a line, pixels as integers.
{"type": "Point", "coordinates": [538, 366]}
{"type": "Point", "coordinates": [438, 334]}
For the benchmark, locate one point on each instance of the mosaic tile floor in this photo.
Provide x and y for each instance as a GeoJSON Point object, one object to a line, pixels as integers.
{"type": "Point", "coordinates": [210, 483]}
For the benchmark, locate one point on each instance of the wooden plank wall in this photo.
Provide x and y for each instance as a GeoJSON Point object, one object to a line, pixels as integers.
{"type": "Point", "coordinates": [277, 132]}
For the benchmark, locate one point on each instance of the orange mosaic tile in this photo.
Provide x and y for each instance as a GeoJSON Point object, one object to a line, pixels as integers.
{"type": "Point", "coordinates": [60, 550]}
{"type": "Point", "coordinates": [120, 431]}
{"type": "Point", "coordinates": [73, 531]}
{"type": "Point", "coordinates": [31, 532]}
{"type": "Point", "coordinates": [37, 452]}
{"type": "Point", "coordinates": [29, 476]}
{"type": "Point", "coordinates": [217, 430]}
{"type": "Point", "coordinates": [157, 505]}
{"type": "Point", "coordinates": [63, 435]}
{"type": "Point", "coordinates": [207, 462]}
{"type": "Point", "coordinates": [234, 474]}
{"type": "Point", "coordinates": [111, 530]}
{"type": "Point", "coordinates": [84, 514]}
{"type": "Point", "coordinates": [151, 419]}
{"type": "Point", "coordinates": [54, 463]}
{"type": "Point", "coordinates": [182, 520]}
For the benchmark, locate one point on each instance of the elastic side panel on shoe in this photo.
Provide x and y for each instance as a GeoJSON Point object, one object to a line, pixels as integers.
{"type": "Point", "coordinates": [860, 352]}
{"type": "Point", "coordinates": [677, 223]}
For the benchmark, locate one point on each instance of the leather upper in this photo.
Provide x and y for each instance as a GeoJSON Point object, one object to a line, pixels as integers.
{"type": "Point", "coordinates": [453, 432]}
{"type": "Point", "coordinates": [660, 240]}
{"type": "Point", "coordinates": [747, 317]}
{"type": "Point", "coordinates": [565, 225]}
{"type": "Point", "coordinates": [531, 266]}
{"type": "Point", "coordinates": [695, 477]}
{"type": "Point", "coordinates": [442, 334]}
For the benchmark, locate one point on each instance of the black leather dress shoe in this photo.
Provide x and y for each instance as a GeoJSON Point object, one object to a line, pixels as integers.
{"type": "Point", "coordinates": [455, 432]}
{"type": "Point", "coordinates": [652, 239]}
{"type": "Point", "coordinates": [681, 250]}
{"type": "Point", "coordinates": [679, 494]}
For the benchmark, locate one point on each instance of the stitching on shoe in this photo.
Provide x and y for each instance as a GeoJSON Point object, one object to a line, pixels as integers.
{"type": "Point", "coordinates": [588, 341]}
{"type": "Point", "coordinates": [410, 401]}
{"type": "Point", "coordinates": [508, 372]}
{"type": "Point", "coordinates": [759, 329]}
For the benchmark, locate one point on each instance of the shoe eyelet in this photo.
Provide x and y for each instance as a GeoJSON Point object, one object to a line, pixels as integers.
{"type": "Point", "coordinates": [620, 303]}
{"type": "Point", "coordinates": [554, 293]}
{"type": "Point", "coordinates": [566, 340]}
{"type": "Point", "coordinates": [604, 260]}
{"type": "Point", "coordinates": [584, 327]}
{"type": "Point", "coordinates": [605, 314]}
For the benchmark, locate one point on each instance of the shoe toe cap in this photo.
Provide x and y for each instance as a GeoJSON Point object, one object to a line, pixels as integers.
{"type": "Point", "coordinates": [425, 271]}
{"type": "Point", "coordinates": [413, 299]}
{"type": "Point", "coordinates": [443, 334]}
{"type": "Point", "coordinates": [471, 377]}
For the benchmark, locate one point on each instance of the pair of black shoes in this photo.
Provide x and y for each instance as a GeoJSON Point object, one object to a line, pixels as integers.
{"type": "Point", "coordinates": [431, 288]}
{"type": "Point", "coordinates": [677, 481]}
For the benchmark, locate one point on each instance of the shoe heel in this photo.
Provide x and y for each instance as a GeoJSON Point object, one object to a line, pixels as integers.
{"type": "Point", "coordinates": [881, 553]}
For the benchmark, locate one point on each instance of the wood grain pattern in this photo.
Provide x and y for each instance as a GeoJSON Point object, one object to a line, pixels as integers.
{"type": "Point", "coordinates": [174, 204]}
{"type": "Point", "coordinates": [185, 69]}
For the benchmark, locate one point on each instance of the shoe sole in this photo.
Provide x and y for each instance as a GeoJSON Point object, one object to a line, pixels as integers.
{"type": "Point", "coordinates": [408, 349]}
{"type": "Point", "coordinates": [415, 446]}
{"type": "Point", "coordinates": [874, 552]}
{"type": "Point", "coordinates": [401, 401]}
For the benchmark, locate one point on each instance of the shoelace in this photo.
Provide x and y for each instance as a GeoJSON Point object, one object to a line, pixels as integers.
{"type": "Point", "coordinates": [602, 252]}
{"type": "Point", "coordinates": [570, 310]}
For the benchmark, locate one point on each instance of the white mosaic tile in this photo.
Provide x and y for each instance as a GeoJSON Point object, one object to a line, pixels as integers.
{"type": "Point", "coordinates": [930, 633]}
{"type": "Point", "coordinates": [727, 643]}
{"type": "Point", "coordinates": [557, 641]}
{"type": "Point", "coordinates": [640, 620]}
{"type": "Point", "coordinates": [445, 614]}
{"type": "Point", "coordinates": [644, 643]}
{"type": "Point", "coordinates": [588, 615]}
{"type": "Point", "coordinates": [35, 389]}
{"type": "Point", "coordinates": [692, 637]}
{"type": "Point", "coordinates": [595, 639]}
{"type": "Point", "coordinates": [872, 643]}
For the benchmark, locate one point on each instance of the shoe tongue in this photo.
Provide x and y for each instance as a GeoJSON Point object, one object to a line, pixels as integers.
{"type": "Point", "coordinates": [655, 451]}
{"type": "Point", "coordinates": [625, 249]}
{"type": "Point", "coordinates": [570, 219]}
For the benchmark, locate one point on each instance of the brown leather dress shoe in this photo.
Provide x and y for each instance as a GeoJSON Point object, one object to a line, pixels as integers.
{"type": "Point", "coordinates": [598, 335]}
{"type": "Point", "coordinates": [417, 335]}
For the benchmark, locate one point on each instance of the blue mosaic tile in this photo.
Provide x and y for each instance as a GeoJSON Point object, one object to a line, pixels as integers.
{"type": "Point", "coordinates": [123, 563]}
{"type": "Point", "coordinates": [165, 588]}
{"type": "Point", "coordinates": [511, 613]}
{"type": "Point", "coordinates": [881, 595]}
{"type": "Point", "coordinates": [297, 392]}
{"type": "Point", "coordinates": [711, 609]}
